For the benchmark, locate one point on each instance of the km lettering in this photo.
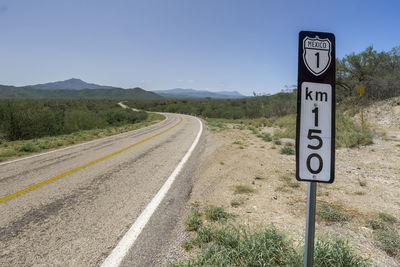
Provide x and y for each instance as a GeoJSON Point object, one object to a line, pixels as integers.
{"type": "Point", "coordinates": [318, 96]}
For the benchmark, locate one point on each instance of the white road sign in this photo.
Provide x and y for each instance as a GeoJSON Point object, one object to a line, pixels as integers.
{"type": "Point", "coordinates": [315, 132]}
{"type": "Point", "coordinates": [315, 129]}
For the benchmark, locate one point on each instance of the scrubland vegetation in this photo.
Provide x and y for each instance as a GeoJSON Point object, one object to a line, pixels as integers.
{"type": "Point", "coordinates": [27, 119]}
{"type": "Point", "coordinates": [28, 126]}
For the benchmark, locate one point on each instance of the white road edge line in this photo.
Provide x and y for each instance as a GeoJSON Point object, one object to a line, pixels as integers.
{"type": "Point", "coordinates": [77, 145]}
{"type": "Point", "coordinates": [120, 251]}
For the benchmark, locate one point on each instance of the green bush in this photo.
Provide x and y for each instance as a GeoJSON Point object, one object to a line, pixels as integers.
{"type": "Point", "coordinates": [332, 213]}
{"type": "Point", "coordinates": [236, 202]}
{"type": "Point", "coordinates": [291, 182]}
{"type": "Point", "coordinates": [118, 116]}
{"type": "Point", "coordinates": [362, 183]}
{"type": "Point", "coordinates": [243, 189]}
{"type": "Point", "coordinates": [76, 120]}
{"type": "Point", "coordinates": [214, 213]}
{"type": "Point", "coordinates": [287, 150]}
{"type": "Point", "coordinates": [28, 147]}
{"type": "Point", "coordinates": [350, 135]}
{"type": "Point", "coordinates": [194, 222]}
{"type": "Point", "coordinates": [253, 130]}
{"type": "Point", "coordinates": [27, 119]}
{"type": "Point", "coordinates": [375, 224]}
{"type": "Point", "coordinates": [187, 245]}
{"type": "Point", "coordinates": [203, 235]}
{"type": "Point", "coordinates": [387, 217]}
{"type": "Point", "coordinates": [216, 125]}
{"type": "Point", "coordinates": [336, 252]}
{"type": "Point", "coordinates": [287, 125]}
{"type": "Point", "coordinates": [390, 242]}
{"type": "Point", "coordinates": [278, 142]}
{"type": "Point", "coordinates": [267, 137]}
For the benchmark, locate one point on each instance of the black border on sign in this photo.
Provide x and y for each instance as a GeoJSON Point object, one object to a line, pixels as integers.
{"type": "Point", "coordinates": [328, 77]}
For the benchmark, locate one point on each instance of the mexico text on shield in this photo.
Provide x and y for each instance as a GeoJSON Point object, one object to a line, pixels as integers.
{"type": "Point", "coordinates": [317, 44]}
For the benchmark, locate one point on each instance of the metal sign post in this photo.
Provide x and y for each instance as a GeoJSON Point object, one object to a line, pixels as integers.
{"type": "Point", "coordinates": [315, 125]}
{"type": "Point", "coordinates": [310, 224]}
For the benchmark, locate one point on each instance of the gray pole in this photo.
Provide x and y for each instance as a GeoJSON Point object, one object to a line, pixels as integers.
{"type": "Point", "coordinates": [310, 224]}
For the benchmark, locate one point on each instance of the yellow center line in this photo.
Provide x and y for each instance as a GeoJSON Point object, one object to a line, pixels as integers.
{"type": "Point", "coordinates": [83, 166]}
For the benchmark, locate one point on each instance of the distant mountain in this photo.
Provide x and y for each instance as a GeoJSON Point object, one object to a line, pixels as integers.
{"type": "Point", "coordinates": [73, 84]}
{"type": "Point", "coordinates": [191, 93]}
{"type": "Point", "coordinates": [113, 93]}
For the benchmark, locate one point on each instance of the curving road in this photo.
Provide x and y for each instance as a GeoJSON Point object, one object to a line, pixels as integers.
{"type": "Point", "coordinates": [71, 207]}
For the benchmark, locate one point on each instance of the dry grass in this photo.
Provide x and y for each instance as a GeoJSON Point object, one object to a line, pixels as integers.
{"type": "Point", "coordinates": [243, 189]}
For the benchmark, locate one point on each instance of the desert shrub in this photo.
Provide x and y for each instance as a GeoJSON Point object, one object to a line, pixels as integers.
{"type": "Point", "coordinates": [28, 147]}
{"type": "Point", "coordinates": [336, 251]}
{"type": "Point", "coordinates": [291, 181]}
{"type": "Point", "coordinates": [76, 120]}
{"type": "Point", "coordinates": [332, 213]}
{"type": "Point", "coordinates": [278, 142]}
{"type": "Point", "coordinates": [187, 245]}
{"type": "Point", "coordinates": [287, 125]}
{"type": "Point", "coordinates": [216, 213]}
{"type": "Point", "coordinates": [118, 116]}
{"type": "Point", "coordinates": [193, 222]}
{"type": "Point", "coordinates": [362, 182]}
{"type": "Point", "coordinates": [27, 119]}
{"type": "Point", "coordinates": [216, 125]}
{"type": "Point", "coordinates": [390, 242]}
{"type": "Point", "coordinates": [287, 150]}
{"type": "Point", "coordinates": [375, 224]}
{"type": "Point", "coordinates": [236, 202]}
{"type": "Point", "coordinates": [243, 189]}
{"type": "Point", "coordinates": [349, 134]}
{"type": "Point", "coordinates": [387, 217]}
{"type": "Point", "coordinates": [253, 130]}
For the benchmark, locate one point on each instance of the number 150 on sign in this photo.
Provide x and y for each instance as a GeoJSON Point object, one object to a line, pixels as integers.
{"type": "Point", "coordinates": [315, 132]}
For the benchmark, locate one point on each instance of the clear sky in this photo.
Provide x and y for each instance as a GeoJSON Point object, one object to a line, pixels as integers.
{"type": "Point", "coordinates": [243, 45]}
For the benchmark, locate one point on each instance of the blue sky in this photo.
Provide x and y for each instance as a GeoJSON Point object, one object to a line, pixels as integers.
{"type": "Point", "coordinates": [243, 45]}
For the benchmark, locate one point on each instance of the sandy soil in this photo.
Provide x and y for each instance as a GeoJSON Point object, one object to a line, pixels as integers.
{"type": "Point", "coordinates": [367, 183]}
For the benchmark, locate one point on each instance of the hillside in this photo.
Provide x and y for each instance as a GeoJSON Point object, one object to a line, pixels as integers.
{"type": "Point", "coordinates": [191, 93]}
{"type": "Point", "coordinates": [113, 93]}
{"type": "Point", "coordinates": [74, 84]}
{"type": "Point", "coordinates": [361, 205]}
{"type": "Point", "coordinates": [384, 114]}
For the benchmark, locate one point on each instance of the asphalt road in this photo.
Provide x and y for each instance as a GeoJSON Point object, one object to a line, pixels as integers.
{"type": "Point", "coordinates": [78, 218]}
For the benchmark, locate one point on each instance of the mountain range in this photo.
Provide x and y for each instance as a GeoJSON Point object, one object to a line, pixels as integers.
{"type": "Point", "coordinates": [191, 93]}
{"type": "Point", "coordinates": [72, 84]}
{"type": "Point", "coordinates": [76, 88]}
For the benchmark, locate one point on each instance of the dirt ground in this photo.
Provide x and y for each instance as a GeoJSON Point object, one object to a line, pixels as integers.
{"type": "Point", "coordinates": [366, 183]}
